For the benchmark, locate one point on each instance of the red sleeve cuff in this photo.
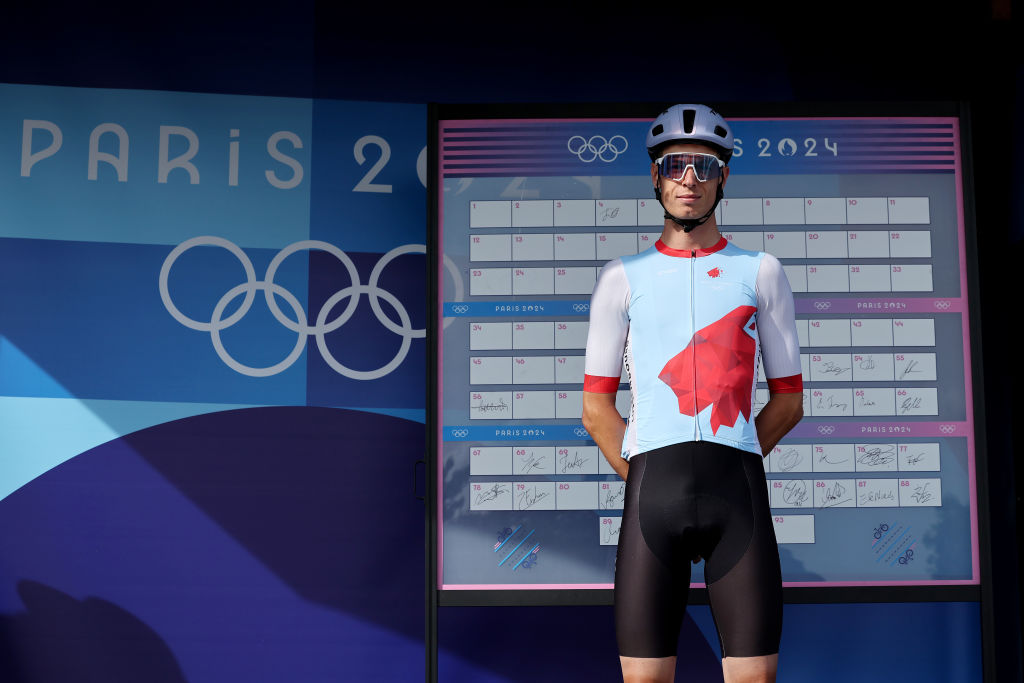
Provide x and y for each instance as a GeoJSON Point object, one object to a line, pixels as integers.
{"type": "Point", "coordinates": [600, 385]}
{"type": "Point", "coordinates": [786, 385]}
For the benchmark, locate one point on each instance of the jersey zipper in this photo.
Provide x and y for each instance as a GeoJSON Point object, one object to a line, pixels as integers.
{"type": "Point", "coordinates": [693, 333]}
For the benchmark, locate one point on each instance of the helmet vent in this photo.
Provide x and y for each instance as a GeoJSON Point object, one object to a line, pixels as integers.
{"type": "Point", "coordinates": [720, 132]}
{"type": "Point", "coordinates": [688, 116]}
{"type": "Point", "coordinates": [657, 130]}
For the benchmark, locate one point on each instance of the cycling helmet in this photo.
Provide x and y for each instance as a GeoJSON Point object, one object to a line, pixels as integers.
{"type": "Point", "coordinates": [690, 123]}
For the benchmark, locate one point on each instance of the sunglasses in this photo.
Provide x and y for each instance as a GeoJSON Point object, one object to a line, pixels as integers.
{"type": "Point", "coordinates": [705, 166]}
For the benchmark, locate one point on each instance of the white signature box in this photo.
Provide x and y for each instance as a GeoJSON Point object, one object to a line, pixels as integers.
{"type": "Point", "coordinates": [752, 241]}
{"type": "Point", "coordinates": [490, 336]}
{"type": "Point", "coordinates": [832, 402]}
{"type": "Point", "coordinates": [616, 212]}
{"type": "Point", "coordinates": [918, 401]}
{"type": "Point", "coordinates": [822, 278]}
{"type": "Point", "coordinates": [826, 244]}
{"type": "Point", "coordinates": [797, 276]}
{"type": "Point", "coordinates": [571, 334]}
{"type": "Point", "coordinates": [871, 332]}
{"type": "Point", "coordinates": [830, 367]}
{"type": "Point", "coordinates": [490, 460]}
{"type": "Point", "coordinates": [490, 370]}
{"type": "Point", "coordinates": [574, 212]}
{"type": "Point", "coordinates": [490, 248]}
{"type": "Point", "coordinates": [490, 405]}
{"type": "Point", "coordinates": [908, 210]}
{"type": "Point", "coordinates": [866, 210]}
{"type": "Point", "coordinates": [743, 211]}
{"type": "Point", "coordinates": [490, 495]}
{"type": "Point", "coordinates": [920, 492]}
{"type": "Point", "coordinates": [649, 212]}
{"type": "Point", "coordinates": [911, 278]}
{"type": "Point", "coordinates": [532, 335]}
{"type": "Point", "coordinates": [869, 278]}
{"type": "Point", "coordinates": [533, 405]}
{"type": "Point", "coordinates": [790, 458]}
{"type": "Point", "coordinates": [608, 530]}
{"type": "Point", "coordinates": [790, 493]}
{"type": "Point", "coordinates": [783, 210]}
{"type": "Point", "coordinates": [867, 243]}
{"type": "Point", "coordinates": [833, 457]}
{"type": "Point", "coordinates": [873, 367]}
{"type": "Point", "coordinates": [919, 457]}
{"type": "Point", "coordinates": [495, 214]}
{"type": "Point", "coordinates": [569, 369]}
{"type": "Point", "coordinates": [528, 460]}
{"type": "Point", "coordinates": [876, 457]}
{"type": "Point", "coordinates": [533, 248]}
{"type": "Point", "coordinates": [533, 370]}
{"type": "Point", "coordinates": [533, 281]}
{"type": "Point", "coordinates": [825, 210]}
{"type": "Point", "coordinates": [877, 493]}
{"type": "Point", "coordinates": [646, 240]}
{"type": "Point", "coordinates": [793, 528]}
{"type": "Point", "coordinates": [534, 495]}
{"type": "Point", "coordinates": [577, 460]}
{"type": "Point", "coordinates": [534, 213]}
{"type": "Point", "coordinates": [490, 281]}
{"type": "Point", "coordinates": [610, 495]}
{"type": "Point", "coordinates": [578, 246]}
{"type": "Point", "coordinates": [568, 405]}
{"type": "Point", "coordinates": [578, 280]}
{"type": "Point", "coordinates": [913, 331]}
{"type": "Point", "coordinates": [829, 332]}
{"type": "Point", "coordinates": [785, 244]}
{"type": "Point", "coordinates": [577, 495]}
{"type": "Point", "coordinates": [835, 493]}
{"type": "Point", "coordinates": [868, 401]}
{"type": "Point", "coordinates": [910, 244]}
{"type": "Point", "coordinates": [614, 244]}
{"type": "Point", "coordinates": [915, 367]}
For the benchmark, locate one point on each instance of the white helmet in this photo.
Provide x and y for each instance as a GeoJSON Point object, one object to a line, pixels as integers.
{"type": "Point", "coordinates": [690, 123]}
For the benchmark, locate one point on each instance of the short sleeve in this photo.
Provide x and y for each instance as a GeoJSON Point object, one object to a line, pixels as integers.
{"type": "Point", "coordinates": [609, 325]}
{"type": "Point", "coordinates": [776, 327]}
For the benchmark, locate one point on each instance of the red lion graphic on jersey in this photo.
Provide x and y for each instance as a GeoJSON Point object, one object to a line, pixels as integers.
{"type": "Point", "coordinates": [722, 355]}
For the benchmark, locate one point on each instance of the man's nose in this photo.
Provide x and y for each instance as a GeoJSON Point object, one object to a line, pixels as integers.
{"type": "Point", "coordinates": [690, 177]}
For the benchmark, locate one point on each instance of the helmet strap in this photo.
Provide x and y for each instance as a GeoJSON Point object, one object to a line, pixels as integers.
{"type": "Point", "coordinates": [688, 224]}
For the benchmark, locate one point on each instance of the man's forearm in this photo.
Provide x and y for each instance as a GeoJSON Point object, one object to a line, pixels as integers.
{"type": "Point", "coordinates": [779, 415]}
{"type": "Point", "coordinates": [606, 428]}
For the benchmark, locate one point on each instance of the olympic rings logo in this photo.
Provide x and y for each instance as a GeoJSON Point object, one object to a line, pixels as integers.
{"type": "Point", "coordinates": [597, 147]}
{"type": "Point", "coordinates": [826, 429]}
{"type": "Point", "coordinates": [823, 305]}
{"type": "Point", "coordinates": [460, 433]}
{"type": "Point", "coordinates": [299, 324]}
{"type": "Point", "coordinates": [460, 308]}
{"type": "Point", "coordinates": [947, 429]}
{"type": "Point", "coordinates": [942, 305]}
{"type": "Point", "coordinates": [580, 431]}
{"type": "Point", "coordinates": [581, 308]}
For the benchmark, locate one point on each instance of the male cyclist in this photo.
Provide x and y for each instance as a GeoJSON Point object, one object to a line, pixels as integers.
{"type": "Point", "coordinates": [690, 318]}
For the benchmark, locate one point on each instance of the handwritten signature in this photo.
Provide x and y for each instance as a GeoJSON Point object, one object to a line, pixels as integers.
{"type": "Point", "coordinates": [910, 403]}
{"type": "Point", "coordinates": [911, 368]}
{"type": "Point", "coordinates": [789, 459]}
{"type": "Point", "coordinates": [500, 406]}
{"type": "Point", "coordinates": [528, 498]}
{"type": "Point", "coordinates": [532, 463]}
{"type": "Point", "coordinates": [867, 363]}
{"type": "Point", "coordinates": [795, 492]}
{"type": "Point", "coordinates": [878, 455]}
{"type": "Point", "coordinates": [878, 496]}
{"type": "Point", "coordinates": [614, 495]}
{"type": "Point", "coordinates": [831, 367]}
{"type": "Point", "coordinates": [829, 402]}
{"type": "Point", "coordinates": [575, 463]}
{"type": "Point", "coordinates": [834, 495]}
{"type": "Point", "coordinates": [490, 494]}
{"type": "Point", "coordinates": [610, 213]}
{"type": "Point", "coordinates": [921, 493]}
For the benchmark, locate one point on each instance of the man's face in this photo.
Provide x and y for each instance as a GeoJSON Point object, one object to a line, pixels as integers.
{"type": "Point", "coordinates": [687, 198]}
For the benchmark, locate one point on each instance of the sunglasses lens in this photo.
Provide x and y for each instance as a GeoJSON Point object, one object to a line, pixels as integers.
{"type": "Point", "coordinates": [705, 166]}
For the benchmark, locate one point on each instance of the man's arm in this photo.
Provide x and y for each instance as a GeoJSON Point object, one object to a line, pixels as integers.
{"type": "Point", "coordinates": [779, 415]}
{"type": "Point", "coordinates": [606, 427]}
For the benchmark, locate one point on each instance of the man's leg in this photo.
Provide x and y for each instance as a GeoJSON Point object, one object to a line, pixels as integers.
{"type": "Point", "coordinates": [648, 669]}
{"type": "Point", "coordinates": [750, 669]}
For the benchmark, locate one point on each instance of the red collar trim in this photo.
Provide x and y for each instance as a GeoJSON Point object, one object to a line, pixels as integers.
{"type": "Point", "coordinates": [686, 253]}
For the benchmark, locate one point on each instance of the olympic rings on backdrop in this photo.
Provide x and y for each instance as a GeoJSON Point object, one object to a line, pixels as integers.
{"type": "Point", "coordinates": [823, 305]}
{"type": "Point", "coordinates": [460, 308]}
{"type": "Point", "coordinates": [942, 305]}
{"type": "Point", "coordinates": [826, 429]}
{"type": "Point", "coordinates": [947, 429]}
{"type": "Point", "coordinates": [300, 323]}
{"type": "Point", "coordinates": [581, 308]}
{"type": "Point", "coordinates": [460, 433]}
{"type": "Point", "coordinates": [597, 147]}
{"type": "Point", "coordinates": [580, 431]}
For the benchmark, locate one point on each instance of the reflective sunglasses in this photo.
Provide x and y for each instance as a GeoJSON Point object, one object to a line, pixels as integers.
{"type": "Point", "coordinates": [705, 166]}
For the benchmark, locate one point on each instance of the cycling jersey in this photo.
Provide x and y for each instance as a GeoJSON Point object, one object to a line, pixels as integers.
{"type": "Point", "coordinates": [690, 327]}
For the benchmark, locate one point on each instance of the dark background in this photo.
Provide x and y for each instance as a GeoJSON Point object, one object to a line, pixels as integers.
{"type": "Point", "coordinates": [647, 52]}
